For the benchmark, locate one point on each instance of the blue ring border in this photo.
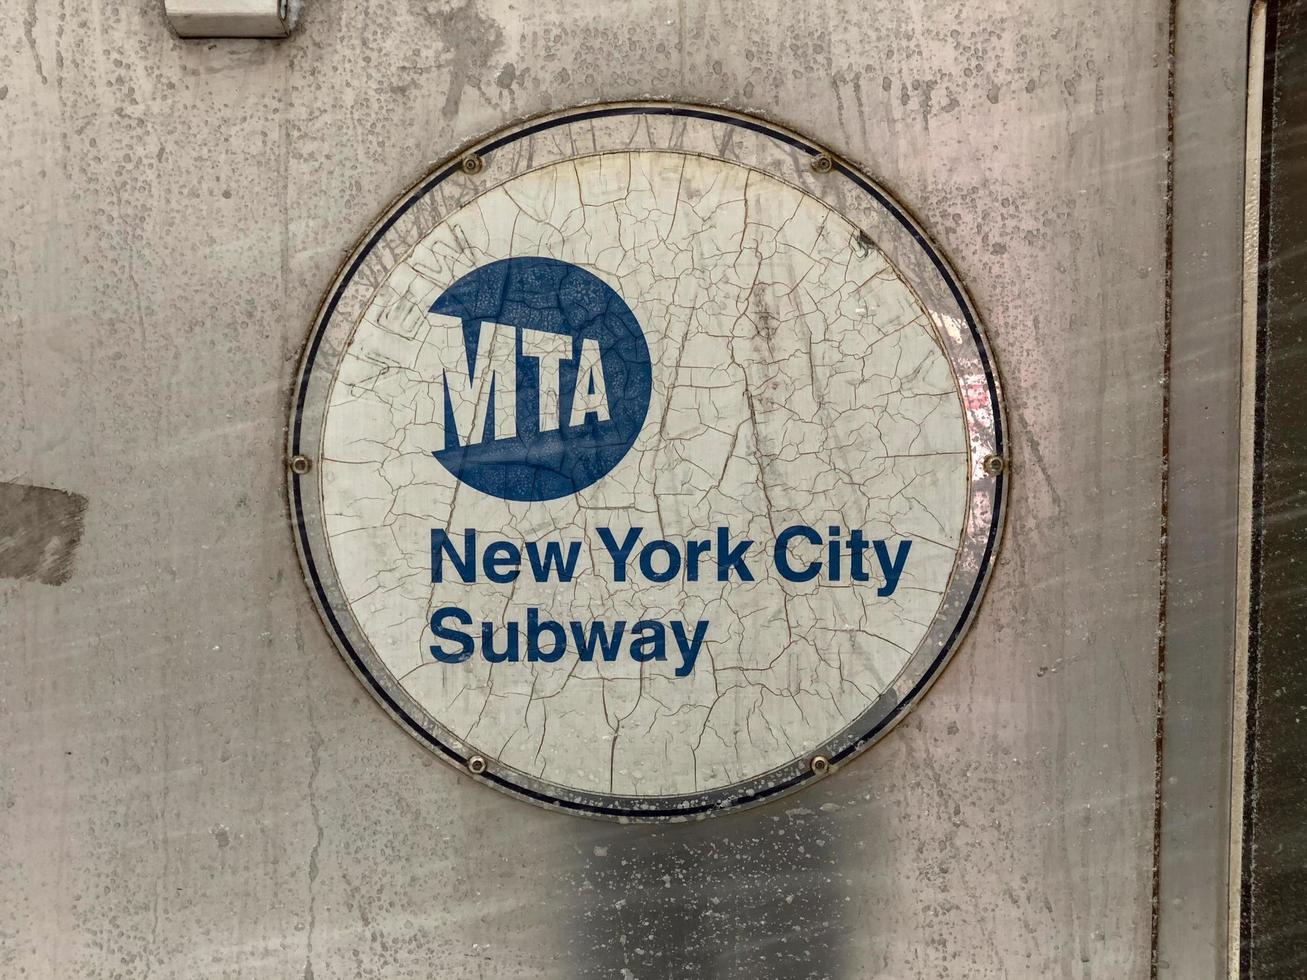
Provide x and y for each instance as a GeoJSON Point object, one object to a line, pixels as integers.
{"type": "Point", "coordinates": [838, 166]}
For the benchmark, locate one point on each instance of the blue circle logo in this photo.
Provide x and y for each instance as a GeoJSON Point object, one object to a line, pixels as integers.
{"type": "Point", "coordinates": [546, 378]}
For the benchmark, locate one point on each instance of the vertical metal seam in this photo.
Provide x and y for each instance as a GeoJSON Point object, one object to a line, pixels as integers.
{"type": "Point", "coordinates": [1258, 210]}
{"type": "Point", "coordinates": [1164, 517]}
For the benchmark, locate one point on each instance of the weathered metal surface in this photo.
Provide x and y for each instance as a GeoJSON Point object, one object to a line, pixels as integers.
{"type": "Point", "coordinates": [193, 782]}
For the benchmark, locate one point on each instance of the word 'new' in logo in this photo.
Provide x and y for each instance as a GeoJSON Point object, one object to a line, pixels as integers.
{"type": "Point", "coordinates": [545, 378]}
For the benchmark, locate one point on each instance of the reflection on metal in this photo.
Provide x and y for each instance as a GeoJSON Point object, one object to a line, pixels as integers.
{"type": "Point", "coordinates": [230, 18]}
{"type": "Point", "coordinates": [758, 396]}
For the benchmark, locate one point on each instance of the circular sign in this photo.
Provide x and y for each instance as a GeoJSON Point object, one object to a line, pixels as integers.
{"type": "Point", "coordinates": [647, 461]}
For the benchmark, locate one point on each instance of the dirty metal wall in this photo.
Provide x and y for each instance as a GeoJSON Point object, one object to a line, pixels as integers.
{"type": "Point", "coordinates": [189, 781]}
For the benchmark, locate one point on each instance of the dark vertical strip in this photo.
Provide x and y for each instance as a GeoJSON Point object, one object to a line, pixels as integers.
{"type": "Point", "coordinates": [1168, 293]}
{"type": "Point", "coordinates": [1246, 915]}
{"type": "Point", "coordinates": [1273, 926]}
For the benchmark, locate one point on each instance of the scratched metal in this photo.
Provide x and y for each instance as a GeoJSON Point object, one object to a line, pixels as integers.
{"type": "Point", "coordinates": [194, 785]}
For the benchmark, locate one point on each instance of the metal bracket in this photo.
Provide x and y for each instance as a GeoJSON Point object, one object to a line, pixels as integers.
{"type": "Point", "coordinates": [230, 18]}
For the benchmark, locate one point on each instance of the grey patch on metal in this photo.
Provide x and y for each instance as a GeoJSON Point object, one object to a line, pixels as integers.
{"type": "Point", "coordinates": [814, 364]}
{"type": "Point", "coordinates": [39, 532]}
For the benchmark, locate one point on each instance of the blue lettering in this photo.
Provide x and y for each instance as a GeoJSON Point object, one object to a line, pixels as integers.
{"type": "Point", "coordinates": [620, 552]}
{"type": "Point", "coordinates": [782, 558]}
{"type": "Point", "coordinates": [689, 647]}
{"type": "Point", "coordinates": [488, 651]}
{"type": "Point", "coordinates": [441, 632]}
{"type": "Point", "coordinates": [729, 558]}
{"type": "Point", "coordinates": [652, 645]}
{"type": "Point", "coordinates": [534, 627]}
{"type": "Point", "coordinates": [673, 568]}
{"type": "Point", "coordinates": [892, 570]}
{"type": "Point", "coordinates": [502, 561]}
{"type": "Point", "coordinates": [464, 565]}
{"type": "Point", "coordinates": [598, 634]}
{"type": "Point", "coordinates": [553, 561]}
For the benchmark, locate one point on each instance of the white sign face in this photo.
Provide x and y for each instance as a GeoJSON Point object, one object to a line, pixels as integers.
{"type": "Point", "coordinates": [654, 461]}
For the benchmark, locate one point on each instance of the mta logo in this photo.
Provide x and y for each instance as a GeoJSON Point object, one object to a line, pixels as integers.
{"type": "Point", "coordinates": [545, 377]}
{"type": "Point", "coordinates": [469, 396]}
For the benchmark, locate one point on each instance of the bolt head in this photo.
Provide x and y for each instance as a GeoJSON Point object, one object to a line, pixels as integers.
{"type": "Point", "coordinates": [476, 765]}
{"type": "Point", "coordinates": [299, 465]}
{"type": "Point", "coordinates": [820, 765]}
{"type": "Point", "coordinates": [822, 163]}
{"type": "Point", "coordinates": [994, 464]}
{"type": "Point", "coordinates": [473, 164]}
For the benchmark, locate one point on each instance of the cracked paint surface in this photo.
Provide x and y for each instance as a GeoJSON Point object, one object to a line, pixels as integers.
{"type": "Point", "coordinates": [797, 379]}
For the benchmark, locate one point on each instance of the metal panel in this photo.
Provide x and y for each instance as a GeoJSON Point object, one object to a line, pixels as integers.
{"type": "Point", "coordinates": [1194, 822]}
{"type": "Point", "coordinates": [193, 783]}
